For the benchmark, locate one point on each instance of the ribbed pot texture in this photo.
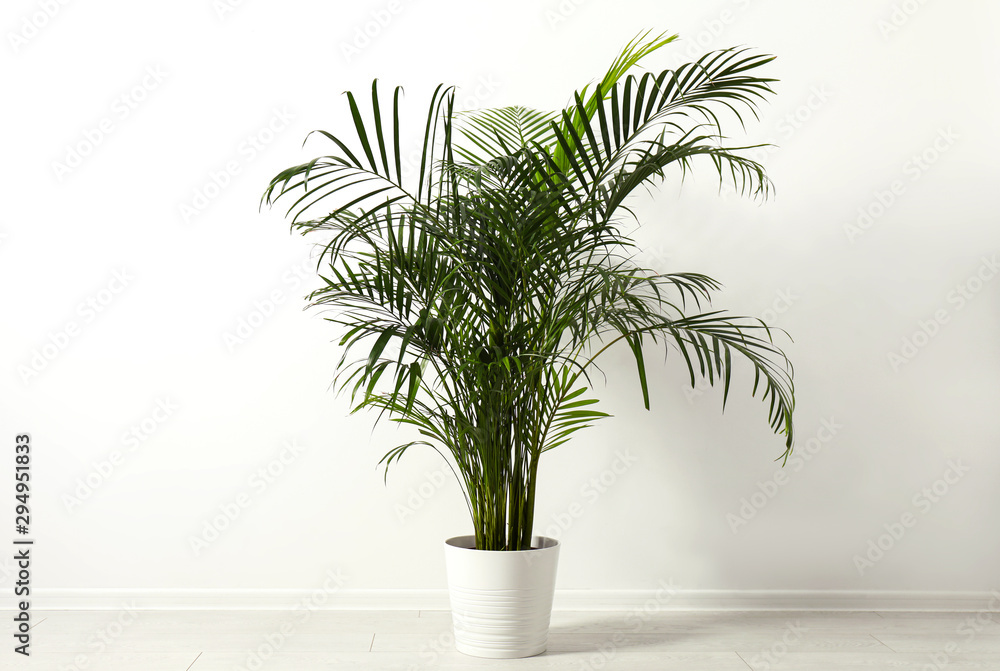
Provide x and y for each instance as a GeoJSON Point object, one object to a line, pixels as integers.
{"type": "Point", "coordinates": [501, 601]}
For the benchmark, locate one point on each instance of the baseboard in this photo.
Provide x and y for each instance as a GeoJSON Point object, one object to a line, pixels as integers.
{"type": "Point", "coordinates": [664, 598]}
{"type": "Point", "coordinates": [779, 600]}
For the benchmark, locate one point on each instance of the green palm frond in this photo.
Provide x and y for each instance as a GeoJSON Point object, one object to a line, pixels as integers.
{"type": "Point", "coordinates": [475, 298]}
{"type": "Point", "coordinates": [502, 132]}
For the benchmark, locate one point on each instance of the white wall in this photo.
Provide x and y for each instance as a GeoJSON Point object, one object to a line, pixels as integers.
{"type": "Point", "coordinates": [866, 101]}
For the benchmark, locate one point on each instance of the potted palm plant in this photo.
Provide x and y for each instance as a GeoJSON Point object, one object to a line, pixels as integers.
{"type": "Point", "coordinates": [476, 297]}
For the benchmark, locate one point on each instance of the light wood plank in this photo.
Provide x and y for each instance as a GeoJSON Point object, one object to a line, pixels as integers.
{"type": "Point", "coordinates": [412, 640]}
{"type": "Point", "coordinates": [727, 641]}
{"type": "Point", "coordinates": [453, 661]}
{"type": "Point", "coordinates": [677, 622]}
{"type": "Point", "coordinates": [68, 661]}
{"type": "Point", "coordinates": [983, 623]}
{"type": "Point", "coordinates": [810, 661]}
{"type": "Point", "coordinates": [934, 642]}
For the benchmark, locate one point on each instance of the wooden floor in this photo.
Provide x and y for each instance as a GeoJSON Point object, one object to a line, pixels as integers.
{"type": "Point", "coordinates": [598, 640]}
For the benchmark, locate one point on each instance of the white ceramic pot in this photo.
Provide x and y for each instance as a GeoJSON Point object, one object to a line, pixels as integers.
{"type": "Point", "coordinates": [501, 601]}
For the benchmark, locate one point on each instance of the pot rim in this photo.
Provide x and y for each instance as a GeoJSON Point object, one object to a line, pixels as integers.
{"type": "Point", "coordinates": [462, 543]}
